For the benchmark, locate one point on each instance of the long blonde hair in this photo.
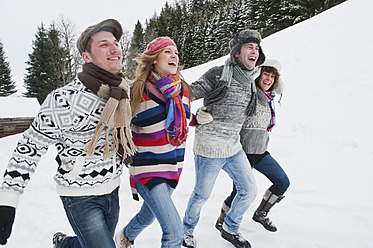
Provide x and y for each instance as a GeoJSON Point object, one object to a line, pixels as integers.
{"type": "Point", "coordinates": [138, 85]}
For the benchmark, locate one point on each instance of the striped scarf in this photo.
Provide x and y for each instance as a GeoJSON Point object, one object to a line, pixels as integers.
{"type": "Point", "coordinates": [176, 123]}
{"type": "Point", "coordinates": [271, 96]}
{"type": "Point", "coordinates": [116, 115]}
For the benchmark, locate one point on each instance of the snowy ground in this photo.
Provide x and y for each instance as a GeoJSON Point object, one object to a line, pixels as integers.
{"type": "Point", "coordinates": [323, 139]}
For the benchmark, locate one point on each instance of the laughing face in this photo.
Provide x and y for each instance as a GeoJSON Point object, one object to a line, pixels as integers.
{"type": "Point", "coordinates": [266, 80]}
{"type": "Point", "coordinates": [104, 52]}
{"type": "Point", "coordinates": [249, 55]}
{"type": "Point", "coordinates": [167, 61]}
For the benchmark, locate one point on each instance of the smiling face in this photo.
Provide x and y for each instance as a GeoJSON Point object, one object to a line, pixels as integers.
{"type": "Point", "coordinates": [104, 52]}
{"type": "Point", "coordinates": [249, 55]}
{"type": "Point", "coordinates": [167, 61]}
{"type": "Point", "coordinates": [266, 80]}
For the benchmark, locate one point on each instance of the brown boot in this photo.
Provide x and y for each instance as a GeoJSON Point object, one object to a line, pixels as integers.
{"type": "Point", "coordinates": [223, 212]}
{"type": "Point", "coordinates": [261, 214]}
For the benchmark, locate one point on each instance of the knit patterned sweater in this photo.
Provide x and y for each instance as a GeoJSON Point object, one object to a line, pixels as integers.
{"type": "Point", "coordinates": [156, 160]}
{"type": "Point", "coordinates": [66, 119]}
{"type": "Point", "coordinates": [254, 134]}
{"type": "Point", "coordinates": [220, 138]}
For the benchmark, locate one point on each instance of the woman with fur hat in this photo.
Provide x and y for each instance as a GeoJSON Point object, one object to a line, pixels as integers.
{"type": "Point", "coordinates": [230, 95]}
{"type": "Point", "coordinates": [160, 101]}
{"type": "Point", "coordinates": [254, 140]}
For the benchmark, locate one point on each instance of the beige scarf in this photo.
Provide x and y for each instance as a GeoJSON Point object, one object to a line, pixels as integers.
{"type": "Point", "coordinates": [116, 115]}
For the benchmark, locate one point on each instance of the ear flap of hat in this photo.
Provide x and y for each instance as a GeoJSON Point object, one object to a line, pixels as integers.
{"type": "Point", "coordinates": [261, 58]}
{"type": "Point", "coordinates": [279, 88]}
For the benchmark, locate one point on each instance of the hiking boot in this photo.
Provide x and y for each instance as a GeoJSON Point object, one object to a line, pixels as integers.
{"type": "Point", "coordinates": [236, 239]}
{"type": "Point", "coordinates": [57, 239]}
{"type": "Point", "coordinates": [261, 213]}
{"type": "Point", "coordinates": [189, 241]}
{"type": "Point", "coordinates": [122, 241]}
{"type": "Point", "coordinates": [262, 218]}
{"type": "Point", "coordinates": [223, 212]}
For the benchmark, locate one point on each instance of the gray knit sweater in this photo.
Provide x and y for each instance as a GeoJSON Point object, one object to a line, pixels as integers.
{"type": "Point", "coordinates": [254, 134]}
{"type": "Point", "coordinates": [220, 138]}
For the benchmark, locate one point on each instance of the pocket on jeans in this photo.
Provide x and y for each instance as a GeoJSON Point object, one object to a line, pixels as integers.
{"type": "Point", "coordinates": [116, 193]}
{"type": "Point", "coordinates": [72, 201]}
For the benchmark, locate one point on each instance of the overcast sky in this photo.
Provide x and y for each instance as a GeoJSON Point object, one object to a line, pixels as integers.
{"type": "Point", "coordinates": [19, 20]}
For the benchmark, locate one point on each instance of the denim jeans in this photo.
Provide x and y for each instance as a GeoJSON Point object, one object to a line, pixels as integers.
{"type": "Point", "coordinates": [157, 204]}
{"type": "Point", "coordinates": [207, 170]}
{"type": "Point", "coordinates": [93, 219]}
{"type": "Point", "coordinates": [269, 167]}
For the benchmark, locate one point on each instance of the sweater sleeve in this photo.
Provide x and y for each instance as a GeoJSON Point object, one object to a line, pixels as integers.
{"type": "Point", "coordinates": [43, 132]}
{"type": "Point", "coordinates": [207, 82]}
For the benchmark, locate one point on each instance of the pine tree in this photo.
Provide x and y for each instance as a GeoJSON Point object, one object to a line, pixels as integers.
{"type": "Point", "coordinates": [202, 29]}
{"type": "Point", "coordinates": [7, 86]}
{"type": "Point", "coordinates": [44, 64]}
{"type": "Point", "coordinates": [62, 62]}
{"type": "Point", "coordinates": [137, 47]}
{"type": "Point", "coordinates": [188, 59]}
{"type": "Point", "coordinates": [222, 34]}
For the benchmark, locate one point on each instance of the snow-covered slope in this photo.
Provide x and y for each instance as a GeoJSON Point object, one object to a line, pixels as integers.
{"type": "Point", "coordinates": [323, 139]}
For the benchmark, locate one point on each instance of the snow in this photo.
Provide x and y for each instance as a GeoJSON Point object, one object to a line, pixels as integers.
{"type": "Point", "coordinates": [323, 139]}
{"type": "Point", "coordinates": [13, 107]}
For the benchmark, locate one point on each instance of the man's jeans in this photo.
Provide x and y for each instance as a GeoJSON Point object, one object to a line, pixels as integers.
{"type": "Point", "coordinates": [93, 219]}
{"type": "Point", "coordinates": [207, 170]}
{"type": "Point", "coordinates": [157, 204]}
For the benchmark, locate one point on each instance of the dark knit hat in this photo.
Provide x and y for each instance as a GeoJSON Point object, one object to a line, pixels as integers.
{"type": "Point", "coordinates": [243, 37]}
{"type": "Point", "coordinates": [110, 25]}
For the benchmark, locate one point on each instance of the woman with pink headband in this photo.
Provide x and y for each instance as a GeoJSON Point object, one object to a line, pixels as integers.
{"type": "Point", "coordinates": [160, 101]}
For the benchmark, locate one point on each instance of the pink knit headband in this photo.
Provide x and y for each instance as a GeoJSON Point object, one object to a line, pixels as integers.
{"type": "Point", "coordinates": [158, 44]}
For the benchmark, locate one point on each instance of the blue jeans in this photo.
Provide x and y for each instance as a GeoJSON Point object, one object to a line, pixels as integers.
{"type": "Point", "coordinates": [157, 204]}
{"type": "Point", "coordinates": [93, 219]}
{"type": "Point", "coordinates": [269, 167]}
{"type": "Point", "coordinates": [207, 170]}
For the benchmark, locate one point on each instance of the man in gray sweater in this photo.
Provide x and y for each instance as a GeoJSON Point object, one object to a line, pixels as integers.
{"type": "Point", "coordinates": [229, 95]}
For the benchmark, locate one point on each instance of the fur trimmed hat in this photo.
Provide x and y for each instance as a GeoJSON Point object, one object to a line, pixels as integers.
{"type": "Point", "coordinates": [110, 25]}
{"type": "Point", "coordinates": [158, 44]}
{"type": "Point", "coordinates": [243, 37]}
{"type": "Point", "coordinates": [279, 87]}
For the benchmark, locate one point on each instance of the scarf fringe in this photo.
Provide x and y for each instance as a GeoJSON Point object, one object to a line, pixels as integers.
{"type": "Point", "coordinates": [251, 108]}
{"type": "Point", "coordinates": [125, 139]}
{"type": "Point", "coordinates": [91, 147]}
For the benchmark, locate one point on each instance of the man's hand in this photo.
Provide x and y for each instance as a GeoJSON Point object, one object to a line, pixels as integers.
{"type": "Point", "coordinates": [7, 215]}
{"type": "Point", "coordinates": [202, 116]}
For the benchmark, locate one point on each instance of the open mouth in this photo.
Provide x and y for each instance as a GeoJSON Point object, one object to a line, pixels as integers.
{"type": "Point", "coordinates": [172, 63]}
{"type": "Point", "coordinates": [114, 58]}
{"type": "Point", "coordinates": [252, 58]}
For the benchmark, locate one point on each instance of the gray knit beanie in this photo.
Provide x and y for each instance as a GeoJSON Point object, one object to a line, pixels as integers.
{"type": "Point", "coordinates": [243, 37]}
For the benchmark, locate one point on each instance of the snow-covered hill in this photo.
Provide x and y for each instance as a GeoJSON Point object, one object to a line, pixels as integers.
{"type": "Point", "coordinates": [323, 139]}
